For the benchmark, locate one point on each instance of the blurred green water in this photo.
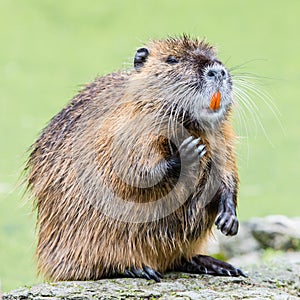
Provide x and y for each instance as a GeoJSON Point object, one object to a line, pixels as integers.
{"type": "Point", "coordinates": [49, 49]}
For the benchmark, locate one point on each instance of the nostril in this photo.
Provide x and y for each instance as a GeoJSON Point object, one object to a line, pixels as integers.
{"type": "Point", "coordinates": [217, 74]}
{"type": "Point", "coordinates": [211, 73]}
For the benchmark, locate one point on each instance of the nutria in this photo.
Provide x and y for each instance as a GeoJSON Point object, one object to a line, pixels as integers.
{"type": "Point", "coordinates": [130, 177]}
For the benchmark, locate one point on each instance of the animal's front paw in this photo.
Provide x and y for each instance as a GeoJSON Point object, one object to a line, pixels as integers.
{"type": "Point", "coordinates": [227, 223]}
{"type": "Point", "coordinates": [190, 149]}
{"type": "Point", "coordinates": [227, 220]}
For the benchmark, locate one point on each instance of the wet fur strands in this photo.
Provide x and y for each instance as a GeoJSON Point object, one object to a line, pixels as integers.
{"type": "Point", "coordinates": [129, 178]}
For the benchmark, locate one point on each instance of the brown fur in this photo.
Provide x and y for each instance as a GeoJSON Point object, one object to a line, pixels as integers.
{"type": "Point", "coordinates": [77, 154]}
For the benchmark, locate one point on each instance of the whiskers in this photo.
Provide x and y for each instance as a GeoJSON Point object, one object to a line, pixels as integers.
{"type": "Point", "coordinates": [252, 106]}
{"type": "Point", "coordinates": [249, 96]}
{"type": "Point", "coordinates": [177, 100]}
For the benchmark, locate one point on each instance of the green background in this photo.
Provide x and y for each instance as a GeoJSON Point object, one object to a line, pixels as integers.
{"type": "Point", "coordinates": [48, 49]}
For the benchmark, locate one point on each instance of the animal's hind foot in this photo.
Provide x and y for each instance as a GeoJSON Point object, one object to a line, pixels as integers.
{"type": "Point", "coordinates": [145, 272]}
{"type": "Point", "coordinates": [202, 264]}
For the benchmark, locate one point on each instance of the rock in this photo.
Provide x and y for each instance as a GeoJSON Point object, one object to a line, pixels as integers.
{"type": "Point", "coordinates": [277, 232]}
{"type": "Point", "coordinates": [238, 245]}
{"type": "Point", "coordinates": [252, 258]}
{"type": "Point", "coordinates": [264, 282]}
{"type": "Point", "coordinates": [266, 257]}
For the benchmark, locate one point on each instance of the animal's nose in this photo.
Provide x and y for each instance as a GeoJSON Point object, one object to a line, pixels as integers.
{"type": "Point", "coordinates": [217, 73]}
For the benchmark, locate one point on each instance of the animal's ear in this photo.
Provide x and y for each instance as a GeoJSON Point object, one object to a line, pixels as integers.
{"type": "Point", "coordinates": [140, 57]}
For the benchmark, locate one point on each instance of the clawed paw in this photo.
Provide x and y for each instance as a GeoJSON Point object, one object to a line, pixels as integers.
{"type": "Point", "coordinates": [190, 149]}
{"type": "Point", "coordinates": [228, 223]}
{"type": "Point", "coordinates": [227, 220]}
{"type": "Point", "coordinates": [145, 272]}
{"type": "Point", "coordinates": [202, 264]}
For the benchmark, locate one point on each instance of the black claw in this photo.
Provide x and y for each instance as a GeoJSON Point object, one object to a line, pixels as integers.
{"type": "Point", "coordinates": [227, 226]}
{"type": "Point", "coordinates": [129, 273]}
{"type": "Point", "coordinates": [217, 222]}
{"type": "Point", "coordinates": [201, 149]}
{"type": "Point", "coordinates": [146, 273]}
{"type": "Point", "coordinates": [226, 220]}
{"type": "Point", "coordinates": [227, 223]}
{"type": "Point", "coordinates": [235, 228]}
{"type": "Point", "coordinates": [240, 272]}
{"type": "Point", "coordinates": [152, 274]}
{"type": "Point", "coordinates": [158, 274]}
{"type": "Point", "coordinates": [140, 273]}
{"type": "Point", "coordinates": [202, 153]}
{"type": "Point", "coordinates": [155, 278]}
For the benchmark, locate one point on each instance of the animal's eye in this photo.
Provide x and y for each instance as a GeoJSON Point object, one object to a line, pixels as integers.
{"type": "Point", "coordinates": [172, 60]}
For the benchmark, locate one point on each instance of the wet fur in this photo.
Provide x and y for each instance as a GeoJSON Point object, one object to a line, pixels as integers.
{"type": "Point", "coordinates": [71, 171]}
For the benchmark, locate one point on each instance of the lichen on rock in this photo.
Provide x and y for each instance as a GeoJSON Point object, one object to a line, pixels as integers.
{"type": "Point", "coordinates": [264, 282]}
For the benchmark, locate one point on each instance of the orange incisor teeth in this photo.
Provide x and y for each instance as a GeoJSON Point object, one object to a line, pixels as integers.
{"type": "Point", "coordinates": [215, 101]}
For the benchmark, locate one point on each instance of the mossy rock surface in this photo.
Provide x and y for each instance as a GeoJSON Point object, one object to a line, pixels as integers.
{"type": "Point", "coordinates": [278, 281]}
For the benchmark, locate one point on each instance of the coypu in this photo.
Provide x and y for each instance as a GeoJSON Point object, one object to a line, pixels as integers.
{"type": "Point", "coordinates": [129, 178]}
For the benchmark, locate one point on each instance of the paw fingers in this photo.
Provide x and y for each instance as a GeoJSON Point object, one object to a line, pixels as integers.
{"type": "Point", "coordinates": [128, 273]}
{"type": "Point", "coordinates": [227, 269]}
{"type": "Point", "coordinates": [189, 148]}
{"type": "Point", "coordinates": [186, 142]}
{"type": "Point", "coordinates": [146, 273]}
{"type": "Point", "coordinates": [140, 273]}
{"type": "Point", "coordinates": [155, 275]}
{"type": "Point", "coordinates": [235, 228]}
{"type": "Point", "coordinates": [227, 223]}
{"type": "Point", "coordinates": [201, 150]}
